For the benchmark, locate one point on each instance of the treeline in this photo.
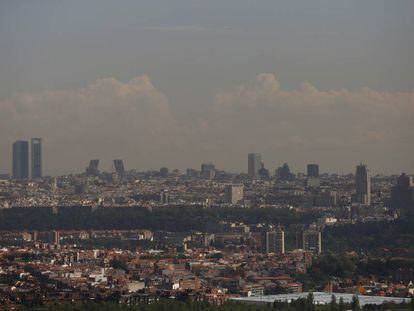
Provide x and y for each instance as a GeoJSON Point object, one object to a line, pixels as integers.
{"type": "Point", "coordinates": [370, 235]}
{"type": "Point", "coordinates": [328, 266]}
{"type": "Point", "coordinates": [301, 304]}
{"type": "Point", "coordinates": [175, 219]}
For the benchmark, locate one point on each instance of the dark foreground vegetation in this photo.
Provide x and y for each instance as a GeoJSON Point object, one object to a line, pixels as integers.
{"type": "Point", "coordinates": [304, 304]}
{"type": "Point", "coordinates": [168, 219]}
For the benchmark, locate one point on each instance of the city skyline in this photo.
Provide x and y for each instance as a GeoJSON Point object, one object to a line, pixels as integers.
{"type": "Point", "coordinates": [168, 85]}
{"type": "Point", "coordinates": [207, 155]}
{"type": "Point", "coordinates": [254, 164]}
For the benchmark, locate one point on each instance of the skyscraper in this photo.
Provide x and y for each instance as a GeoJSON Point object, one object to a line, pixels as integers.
{"type": "Point", "coordinates": [92, 169]}
{"type": "Point", "coordinates": [254, 161]}
{"type": "Point", "coordinates": [119, 167]}
{"type": "Point", "coordinates": [363, 185]}
{"type": "Point", "coordinates": [208, 171]}
{"type": "Point", "coordinates": [21, 159]}
{"type": "Point", "coordinates": [402, 194]}
{"type": "Point", "coordinates": [283, 173]}
{"type": "Point", "coordinates": [36, 157]}
{"type": "Point", "coordinates": [313, 170]}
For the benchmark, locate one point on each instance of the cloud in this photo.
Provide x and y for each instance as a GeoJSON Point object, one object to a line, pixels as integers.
{"type": "Point", "coordinates": [337, 128]}
{"type": "Point", "coordinates": [108, 119]}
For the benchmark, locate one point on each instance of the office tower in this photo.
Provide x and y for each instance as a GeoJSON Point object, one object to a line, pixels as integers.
{"type": "Point", "coordinates": [363, 185]}
{"type": "Point", "coordinates": [283, 173]}
{"type": "Point", "coordinates": [313, 170]}
{"type": "Point", "coordinates": [36, 157]}
{"type": "Point", "coordinates": [309, 240]}
{"type": "Point", "coordinates": [254, 161]}
{"type": "Point", "coordinates": [92, 169]}
{"type": "Point", "coordinates": [208, 171]}
{"type": "Point", "coordinates": [164, 171]}
{"type": "Point", "coordinates": [234, 194]}
{"type": "Point", "coordinates": [263, 172]}
{"type": "Point", "coordinates": [402, 194]}
{"type": "Point", "coordinates": [21, 159]}
{"type": "Point", "coordinates": [119, 167]}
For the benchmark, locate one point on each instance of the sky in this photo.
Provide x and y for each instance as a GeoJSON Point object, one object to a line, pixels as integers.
{"type": "Point", "coordinates": [177, 83]}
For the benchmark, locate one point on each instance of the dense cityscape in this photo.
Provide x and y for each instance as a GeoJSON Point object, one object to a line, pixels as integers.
{"type": "Point", "coordinates": [206, 155]}
{"type": "Point", "coordinates": [206, 235]}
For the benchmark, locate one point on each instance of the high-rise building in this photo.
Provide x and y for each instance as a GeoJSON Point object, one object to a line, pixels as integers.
{"type": "Point", "coordinates": [362, 185]}
{"type": "Point", "coordinates": [208, 171]}
{"type": "Point", "coordinates": [254, 163]}
{"type": "Point", "coordinates": [313, 170]}
{"type": "Point", "coordinates": [119, 167]}
{"type": "Point", "coordinates": [164, 197]}
{"type": "Point", "coordinates": [36, 157]}
{"type": "Point", "coordinates": [21, 159]}
{"type": "Point", "coordinates": [402, 194]}
{"type": "Point", "coordinates": [283, 173]}
{"type": "Point", "coordinates": [263, 172]}
{"type": "Point", "coordinates": [309, 240]}
{"type": "Point", "coordinates": [280, 241]}
{"type": "Point", "coordinates": [92, 169]}
{"type": "Point", "coordinates": [274, 241]}
{"type": "Point", "coordinates": [164, 171]}
{"type": "Point", "coordinates": [234, 194]}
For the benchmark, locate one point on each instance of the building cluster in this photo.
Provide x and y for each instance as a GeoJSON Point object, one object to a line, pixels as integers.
{"type": "Point", "coordinates": [49, 268]}
{"type": "Point", "coordinates": [53, 267]}
{"type": "Point", "coordinates": [20, 166]}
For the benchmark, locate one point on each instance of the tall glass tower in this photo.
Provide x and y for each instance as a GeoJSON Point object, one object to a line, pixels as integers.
{"type": "Point", "coordinates": [36, 156]}
{"type": "Point", "coordinates": [254, 161]}
{"type": "Point", "coordinates": [21, 159]}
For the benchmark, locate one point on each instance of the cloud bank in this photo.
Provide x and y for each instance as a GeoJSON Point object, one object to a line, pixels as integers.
{"type": "Point", "coordinates": [109, 119]}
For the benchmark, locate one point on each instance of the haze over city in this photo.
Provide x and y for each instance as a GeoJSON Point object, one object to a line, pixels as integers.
{"type": "Point", "coordinates": [209, 81]}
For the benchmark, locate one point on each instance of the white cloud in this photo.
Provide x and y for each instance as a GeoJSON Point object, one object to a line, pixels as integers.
{"type": "Point", "coordinates": [108, 119]}
{"type": "Point", "coordinates": [337, 128]}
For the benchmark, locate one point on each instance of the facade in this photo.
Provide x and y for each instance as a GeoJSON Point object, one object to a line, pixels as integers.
{"type": "Point", "coordinates": [313, 170]}
{"type": "Point", "coordinates": [280, 241]}
{"type": "Point", "coordinates": [164, 172]}
{"type": "Point", "coordinates": [273, 241]}
{"type": "Point", "coordinates": [309, 240]}
{"type": "Point", "coordinates": [363, 185]}
{"type": "Point", "coordinates": [283, 173]}
{"type": "Point", "coordinates": [36, 157]}
{"type": "Point", "coordinates": [208, 171]}
{"type": "Point", "coordinates": [254, 161]}
{"type": "Point", "coordinates": [92, 169]}
{"type": "Point", "coordinates": [234, 194]}
{"type": "Point", "coordinates": [402, 194]}
{"type": "Point", "coordinates": [119, 167]}
{"type": "Point", "coordinates": [21, 159]}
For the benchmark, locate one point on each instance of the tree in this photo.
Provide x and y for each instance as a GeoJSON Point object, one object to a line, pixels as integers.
{"type": "Point", "coordinates": [333, 306]}
{"type": "Point", "coordinates": [341, 304]}
{"type": "Point", "coordinates": [310, 306]}
{"type": "Point", "coordinates": [355, 306]}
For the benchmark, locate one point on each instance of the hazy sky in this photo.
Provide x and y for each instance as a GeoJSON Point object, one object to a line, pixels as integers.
{"type": "Point", "coordinates": [177, 83]}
